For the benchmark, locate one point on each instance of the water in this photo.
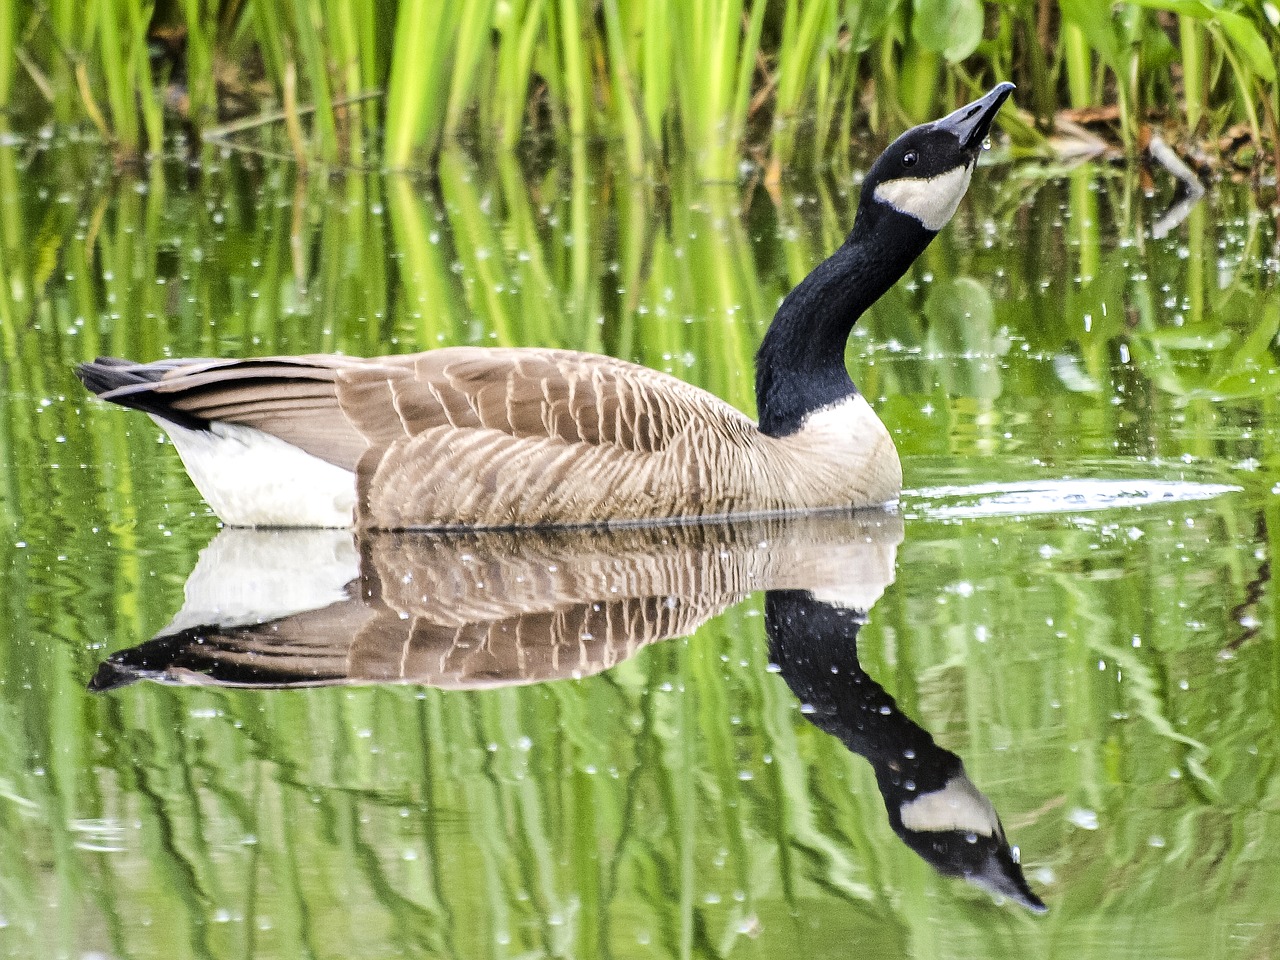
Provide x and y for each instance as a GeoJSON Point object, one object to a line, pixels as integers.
{"type": "Point", "coordinates": [1074, 601]}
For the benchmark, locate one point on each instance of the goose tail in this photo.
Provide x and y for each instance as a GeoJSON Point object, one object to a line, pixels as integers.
{"type": "Point", "coordinates": [263, 441]}
{"type": "Point", "coordinates": [132, 384]}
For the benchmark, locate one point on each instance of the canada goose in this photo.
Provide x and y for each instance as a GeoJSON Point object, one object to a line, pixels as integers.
{"type": "Point", "coordinates": [495, 437]}
{"type": "Point", "coordinates": [469, 610]}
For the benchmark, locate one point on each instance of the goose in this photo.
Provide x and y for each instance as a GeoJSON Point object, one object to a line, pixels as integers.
{"type": "Point", "coordinates": [477, 437]}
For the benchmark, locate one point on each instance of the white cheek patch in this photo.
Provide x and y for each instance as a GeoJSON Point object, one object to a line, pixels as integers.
{"type": "Point", "coordinates": [957, 806]}
{"type": "Point", "coordinates": [932, 201]}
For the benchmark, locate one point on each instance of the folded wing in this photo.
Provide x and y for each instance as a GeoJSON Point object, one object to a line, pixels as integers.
{"type": "Point", "coordinates": [466, 436]}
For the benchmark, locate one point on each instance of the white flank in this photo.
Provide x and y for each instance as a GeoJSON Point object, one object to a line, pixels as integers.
{"type": "Point", "coordinates": [252, 479]}
{"type": "Point", "coordinates": [932, 201]}
{"type": "Point", "coordinates": [255, 576]}
{"type": "Point", "coordinates": [957, 806]}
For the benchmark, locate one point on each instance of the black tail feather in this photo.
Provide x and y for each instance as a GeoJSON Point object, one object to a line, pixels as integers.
{"type": "Point", "coordinates": [131, 384]}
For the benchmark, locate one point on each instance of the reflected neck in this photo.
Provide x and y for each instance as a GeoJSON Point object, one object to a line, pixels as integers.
{"type": "Point", "coordinates": [815, 646]}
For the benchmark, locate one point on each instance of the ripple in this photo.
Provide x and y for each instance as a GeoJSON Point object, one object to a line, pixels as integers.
{"type": "Point", "coordinates": [979, 500]}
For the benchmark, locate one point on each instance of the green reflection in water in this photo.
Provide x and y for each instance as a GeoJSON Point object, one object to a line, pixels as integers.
{"type": "Point", "coordinates": [1111, 678]}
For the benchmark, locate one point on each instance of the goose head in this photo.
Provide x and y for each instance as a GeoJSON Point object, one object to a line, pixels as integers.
{"type": "Point", "coordinates": [908, 195]}
{"type": "Point", "coordinates": [923, 175]}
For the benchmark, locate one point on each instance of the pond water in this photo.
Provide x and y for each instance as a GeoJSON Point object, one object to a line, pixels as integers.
{"type": "Point", "coordinates": [1055, 668]}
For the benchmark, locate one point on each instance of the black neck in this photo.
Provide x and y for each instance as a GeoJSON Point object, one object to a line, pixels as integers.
{"type": "Point", "coordinates": [800, 365]}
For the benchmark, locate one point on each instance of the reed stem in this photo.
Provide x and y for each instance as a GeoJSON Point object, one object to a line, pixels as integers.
{"type": "Point", "coordinates": [1190, 39]}
{"type": "Point", "coordinates": [1079, 66]}
{"type": "Point", "coordinates": [667, 78]}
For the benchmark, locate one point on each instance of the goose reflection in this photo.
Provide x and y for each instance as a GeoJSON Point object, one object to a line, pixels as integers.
{"type": "Point", "coordinates": [484, 609]}
{"type": "Point", "coordinates": [293, 608]}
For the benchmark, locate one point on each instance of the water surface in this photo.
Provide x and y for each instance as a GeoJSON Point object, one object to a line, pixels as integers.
{"type": "Point", "coordinates": [1074, 601]}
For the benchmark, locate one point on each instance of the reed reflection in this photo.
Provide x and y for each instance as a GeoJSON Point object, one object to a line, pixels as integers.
{"type": "Point", "coordinates": [278, 609]}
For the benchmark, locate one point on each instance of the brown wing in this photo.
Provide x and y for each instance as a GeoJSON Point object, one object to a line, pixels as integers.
{"type": "Point", "coordinates": [529, 393]}
{"type": "Point", "coordinates": [485, 437]}
{"type": "Point", "coordinates": [473, 436]}
{"type": "Point", "coordinates": [342, 405]}
{"type": "Point", "coordinates": [293, 398]}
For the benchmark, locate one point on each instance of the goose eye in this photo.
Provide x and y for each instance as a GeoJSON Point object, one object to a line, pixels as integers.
{"type": "Point", "coordinates": [909, 158]}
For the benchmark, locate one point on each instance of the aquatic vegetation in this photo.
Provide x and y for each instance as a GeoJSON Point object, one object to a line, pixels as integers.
{"type": "Point", "coordinates": [788, 82]}
{"type": "Point", "coordinates": [1109, 677]}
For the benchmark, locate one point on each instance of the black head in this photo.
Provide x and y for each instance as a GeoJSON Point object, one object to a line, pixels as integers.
{"type": "Point", "coordinates": [925, 172]}
{"type": "Point", "coordinates": [956, 830]}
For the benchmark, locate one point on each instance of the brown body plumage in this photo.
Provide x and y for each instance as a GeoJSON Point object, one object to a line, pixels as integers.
{"type": "Point", "coordinates": [477, 437]}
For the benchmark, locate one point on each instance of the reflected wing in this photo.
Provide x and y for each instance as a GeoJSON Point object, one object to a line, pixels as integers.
{"type": "Point", "coordinates": [487, 608]}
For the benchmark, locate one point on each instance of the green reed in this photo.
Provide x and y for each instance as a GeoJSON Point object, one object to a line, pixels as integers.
{"type": "Point", "coordinates": [791, 80]}
{"type": "Point", "coordinates": [8, 62]}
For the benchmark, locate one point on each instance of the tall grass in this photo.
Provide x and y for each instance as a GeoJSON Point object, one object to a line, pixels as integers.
{"type": "Point", "coordinates": [789, 81]}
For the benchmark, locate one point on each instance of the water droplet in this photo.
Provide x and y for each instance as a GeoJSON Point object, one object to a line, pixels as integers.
{"type": "Point", "coordinates": [1084, 818]}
